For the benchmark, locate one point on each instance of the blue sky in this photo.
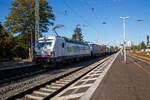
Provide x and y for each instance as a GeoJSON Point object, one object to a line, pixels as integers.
{"type": "Point", "coordinates": [80, 12]}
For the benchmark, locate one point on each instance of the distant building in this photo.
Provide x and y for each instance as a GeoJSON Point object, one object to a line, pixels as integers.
{"type": "Point", "coordinates": [129, 44]}
{"type": "Point", "coordinates": [148, 48]}
{"type": "Point", "coordinates": [128, 48]}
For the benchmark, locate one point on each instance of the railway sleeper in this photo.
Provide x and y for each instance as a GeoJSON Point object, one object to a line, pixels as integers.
{"type": "Point", "coordinates": [53, 87]}
{"type": "Point", "coordinates": [62, 82]}
{"type": "Point", "coordinates": [66, 80]}
{"type": "Point", "coordinates": [42, 93]}
{"type": "Point", "coordinates": [33, 97]}
{"type": "Point", "coordinates": [47, 90]}
{"type": "Point", "coordinates": [58, 84]}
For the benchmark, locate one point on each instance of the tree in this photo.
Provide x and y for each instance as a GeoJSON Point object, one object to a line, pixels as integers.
{"type": "Point", "coordinates": [135, 47]}
{"type": "Point", "coordinates": [1, 28]}
{"type": "Point", "coordinates": [22, 16]}
{"type": "Point", "coordinates": [12, 47]}
{"type": "Point", "coordinates": [3, 32]}
{"type": "Point", "coordinates": [143, 46]}
{"type": "Point", "coordinates": [22, 19]}
{"type": "Point", "coordinates": [21, 49]}
{"type": "Point", "coordinates": [139, 47]}
{"type": "Point", "coordinates": [7, 42]}
{"type": "Point", "coordinates": [116, 48]}
{"type": "Point", "coordinates": [77, 34]}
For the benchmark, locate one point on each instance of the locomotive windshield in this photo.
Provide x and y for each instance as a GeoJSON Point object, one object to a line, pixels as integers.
{"type": "Point", "coordinates": [42, 43]}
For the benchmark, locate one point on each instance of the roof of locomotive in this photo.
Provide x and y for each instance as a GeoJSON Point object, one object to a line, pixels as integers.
{"type": "Point", "coordinates": [46, 38]}
{"type": "Point", "coordinates": [75, 42]}
{"type": "Point", "coordinates": [65, 38]}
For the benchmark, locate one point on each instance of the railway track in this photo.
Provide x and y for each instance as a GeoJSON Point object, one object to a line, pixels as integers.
{"type": "Point", "coordinates": [15, 87]}
{"type": "Point", "coordinates": [11, 74]}
{"type": "Point", "coordinates": [143, 59]}
{"type": "Point", "coordinates": [52, 88]}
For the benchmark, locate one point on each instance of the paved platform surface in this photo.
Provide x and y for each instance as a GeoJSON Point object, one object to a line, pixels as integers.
{"type": "Point", "coordinates": [130, 81]}
{"type": "Point", "coordinates": [15, 64]}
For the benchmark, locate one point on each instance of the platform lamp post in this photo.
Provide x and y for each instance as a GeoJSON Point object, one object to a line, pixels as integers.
{"type": "Point", "coordinates": [124, 34]}
{"type": "Point", "coordinates": [140, 20]}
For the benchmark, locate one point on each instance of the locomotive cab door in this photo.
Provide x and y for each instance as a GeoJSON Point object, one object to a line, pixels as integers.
{"type": "Point", "coordinates": [60, 48]}
{"type": "Point", "coordinates": [63, 48]}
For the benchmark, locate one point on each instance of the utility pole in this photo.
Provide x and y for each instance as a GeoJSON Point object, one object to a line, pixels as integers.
{"type": "Point", "coordinates": [124, 40]}
{"type": "Point", "coordinates": [36, 20]}
{"type": "Point", "coordinates": [31, 43]}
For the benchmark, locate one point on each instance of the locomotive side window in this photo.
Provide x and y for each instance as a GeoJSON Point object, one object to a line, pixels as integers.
{"type": "Point", "coordinates": [63, 45]}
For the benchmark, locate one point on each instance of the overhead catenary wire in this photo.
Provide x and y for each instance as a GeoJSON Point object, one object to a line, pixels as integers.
{"type": "Point", "coordinates": [53, 5]}
{"type": "Point", "coordinates": [82, 18]}
{"type": "Point", "coordinates": [87, 3]}
{"type": "Point", "coordinates": [92, 8]}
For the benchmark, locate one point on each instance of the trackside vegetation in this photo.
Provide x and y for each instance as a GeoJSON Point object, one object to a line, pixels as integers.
{"type": "Point", "coordinates": [16, 31]}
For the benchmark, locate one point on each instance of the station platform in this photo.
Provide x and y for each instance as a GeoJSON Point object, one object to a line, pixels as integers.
{"type": "Point", "coordinates": [15, 64]}
{"type": "Point", "coordinates": [125, 81]}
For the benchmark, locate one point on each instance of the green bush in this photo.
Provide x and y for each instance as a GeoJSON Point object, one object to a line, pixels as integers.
{"type": "Point", "coordinates": [20, 51]}
{"type": "Point", "coordinates": [15, 58]}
